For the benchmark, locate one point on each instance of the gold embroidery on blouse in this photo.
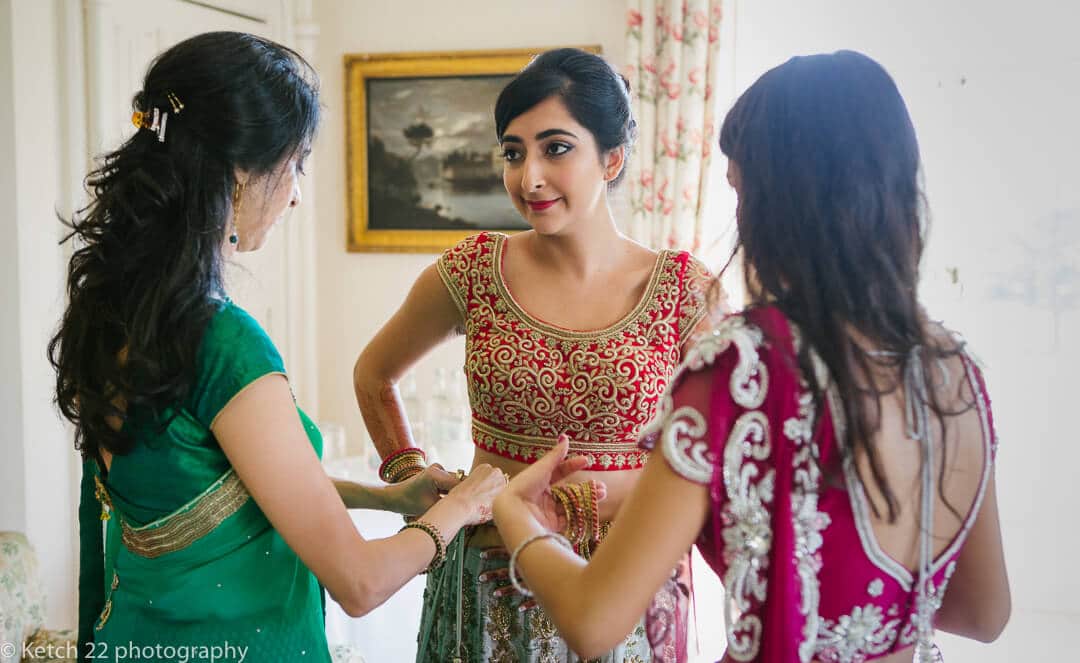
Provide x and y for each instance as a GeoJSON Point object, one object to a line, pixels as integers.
{"type": "Point", "coordinates": [694, 302]}
{"type": "Point", "coordinates": [529, 448]}
{"type": "Point", "coordinates": [643, 304]}
{"type": "Point", "coordinates": [529, 381]}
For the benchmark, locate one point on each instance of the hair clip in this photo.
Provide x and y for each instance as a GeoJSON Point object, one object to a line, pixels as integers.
{"type": "Point", "coordinates": [175, 102]}
{"type": "Point", "coordinates": [154, 120]}
{"type": "Point", "coordinates": [161, 129]}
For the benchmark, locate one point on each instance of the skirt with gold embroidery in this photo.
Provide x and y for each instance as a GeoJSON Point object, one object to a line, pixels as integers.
{"type": "Point", "coordinates": [492, 628]}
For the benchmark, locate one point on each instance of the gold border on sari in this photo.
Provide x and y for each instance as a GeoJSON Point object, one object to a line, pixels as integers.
{"type": "Point", "coordinates": [190, 523]}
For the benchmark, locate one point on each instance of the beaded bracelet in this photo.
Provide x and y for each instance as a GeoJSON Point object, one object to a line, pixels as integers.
{"type": "Point", "coordinates": [402, 464]}
{"type": "Point", "coordinates": [512, 571]}
{"type": "Point", "coordinates": [440, 545]}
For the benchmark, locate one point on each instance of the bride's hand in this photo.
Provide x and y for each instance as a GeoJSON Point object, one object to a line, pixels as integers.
{"type": "Point", "coordinates": [418, 493]}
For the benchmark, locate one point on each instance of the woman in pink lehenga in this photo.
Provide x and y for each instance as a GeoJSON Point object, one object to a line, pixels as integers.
{"type": "Point", "coordinates": [830, 449]}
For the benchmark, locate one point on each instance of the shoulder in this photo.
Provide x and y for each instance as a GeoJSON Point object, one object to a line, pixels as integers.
{"type": "Point", "coordinates": [456, 262]}
{"type": "Point", "coordinates": [231, 324]}
{"type": "Point", "coordinates": [473, 244]}
{"type": "Point", "coordinates": [723, 379]}
{"type": "Point", "coordinates": [747, 348]}
{"type": "Point", "coordinates": [466, 264]}
{"type": "Point", "coordinates": [698, 291]}
{"type": "Point", "coordinates": [234, 338]}
{"type": "Point", "coordinates": [736, 335]}
{"type": "Point", "coordinates": [691, 270]}
{"type": "Point", "coordinates": [234, 352]}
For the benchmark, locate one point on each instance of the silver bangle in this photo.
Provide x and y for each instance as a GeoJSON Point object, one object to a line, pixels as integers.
{"type": "Point", "coordinates": [512, 571]}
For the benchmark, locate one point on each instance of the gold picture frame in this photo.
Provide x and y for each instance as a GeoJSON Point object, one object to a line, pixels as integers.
{"type": "Point", "coordinates": [417, 200]}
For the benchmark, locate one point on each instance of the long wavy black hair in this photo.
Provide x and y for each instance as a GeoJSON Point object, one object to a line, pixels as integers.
{"type": "Point", "coordinates": [146, 272]}
{"type": "Point", "coordinates": [831, 223]}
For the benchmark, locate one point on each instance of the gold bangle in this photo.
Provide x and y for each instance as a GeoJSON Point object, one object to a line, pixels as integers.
{"type": "Point", "coordinates": [558, 493]}
{"type": "Point", "coordinates": [402, 464]}
{"type": "Point", "coordinates": [440, 545]}
{"type": "Point", "coordinates": [406, 472]}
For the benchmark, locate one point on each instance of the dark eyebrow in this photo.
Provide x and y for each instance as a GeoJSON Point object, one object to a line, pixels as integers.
{"type": "Point", "coordinates": [554, 132]}
{"type": "Point", "coordinates": [510, 138]}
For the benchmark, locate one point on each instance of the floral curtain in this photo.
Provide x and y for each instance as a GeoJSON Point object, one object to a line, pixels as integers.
{"type": "Point", "coordinates": [673, 54]}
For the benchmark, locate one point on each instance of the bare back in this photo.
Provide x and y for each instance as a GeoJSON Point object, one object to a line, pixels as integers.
{"type": "Point", "coordinates": [960, 471]}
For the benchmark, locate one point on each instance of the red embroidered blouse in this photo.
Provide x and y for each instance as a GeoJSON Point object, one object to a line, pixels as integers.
{"type": "Point", "coordinates": [529, 380]}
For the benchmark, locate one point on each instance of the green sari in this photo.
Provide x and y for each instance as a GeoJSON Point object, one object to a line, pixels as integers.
{"type": "Point", "coordinates": [177, 560]}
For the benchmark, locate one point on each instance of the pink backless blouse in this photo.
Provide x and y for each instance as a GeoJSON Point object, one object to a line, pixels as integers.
{"type": "Point", "coordinates": [804, 577]}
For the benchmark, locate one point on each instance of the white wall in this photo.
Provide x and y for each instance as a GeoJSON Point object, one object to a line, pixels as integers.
{"type": "Point", "coordinates": [359, 291]}
{"type": "Point", "coordinates": [12, 497]}
{"type": "Point", "coordinates": [35, 444]}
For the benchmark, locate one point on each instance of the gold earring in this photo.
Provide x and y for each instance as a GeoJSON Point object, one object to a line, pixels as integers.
{"type": "Point", "coordinates": [238, 195]}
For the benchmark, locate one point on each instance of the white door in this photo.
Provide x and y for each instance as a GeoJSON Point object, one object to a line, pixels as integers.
{"type": "Point", "coordinates": [123, 36]}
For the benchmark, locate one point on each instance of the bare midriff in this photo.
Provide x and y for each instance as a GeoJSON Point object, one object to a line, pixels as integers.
{"type": "Point", "coordinates": [619, 483]}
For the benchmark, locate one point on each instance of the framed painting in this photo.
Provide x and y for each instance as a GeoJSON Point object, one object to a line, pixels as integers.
{"type": "Point", "coordinates": [424, 167]}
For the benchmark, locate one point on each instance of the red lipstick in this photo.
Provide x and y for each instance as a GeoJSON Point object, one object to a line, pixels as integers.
{"type": "Point", "coordinates": [541, 205]}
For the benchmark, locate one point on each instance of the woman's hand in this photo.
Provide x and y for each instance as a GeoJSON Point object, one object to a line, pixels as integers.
{"type": "Point", "coordinates": [421, 491]}
{"type": "Point", "coordinates": [529, 494]}
{"type": "Point", "coordinates": [478, 492]}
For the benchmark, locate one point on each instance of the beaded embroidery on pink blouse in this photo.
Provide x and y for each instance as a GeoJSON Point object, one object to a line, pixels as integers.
{"type": "Point", "coordinates": [529, 381]}
{"type": "Point", "coordinates": [804, 577]}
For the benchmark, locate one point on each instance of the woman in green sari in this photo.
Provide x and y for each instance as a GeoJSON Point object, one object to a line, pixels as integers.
{"type": "Point", "coordinates": [206, 521]}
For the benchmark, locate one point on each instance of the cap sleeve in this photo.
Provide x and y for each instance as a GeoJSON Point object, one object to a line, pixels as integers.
{"type": "Point", "coordinates": [235, 352]}
{"type": "Point", "coordinates": [457, 267]}
{"type": "Point", "coordinates": [694, 289]}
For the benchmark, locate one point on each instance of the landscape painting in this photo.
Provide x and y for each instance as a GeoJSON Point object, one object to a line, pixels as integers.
{"type": "Point", "coordinates": [424, 165]}
{"type": "Point", "coordinates": [433, 159]}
